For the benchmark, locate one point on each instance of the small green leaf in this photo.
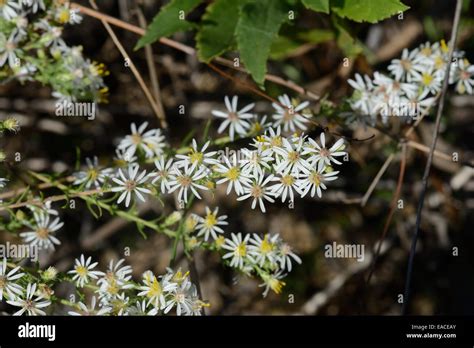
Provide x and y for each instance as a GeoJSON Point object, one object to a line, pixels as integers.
{"type": "Point", "coordinates": [317, 5]}
{"type": "Point", "coordinates": [284, 46]}
{"type": "Point", "coordinates": [217, 31]}
{"type": "Point", "coordinates": [367, 10]}
{"type": "Point", "coordinates": [169, 21]}
{"type": "Point", "coordinates": [349, 45]}
{"type": "Point", "coordinates": [257, 28]}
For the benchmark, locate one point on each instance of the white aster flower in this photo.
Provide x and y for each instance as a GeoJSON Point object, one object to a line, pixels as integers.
{"type": "Point", "coordinates": [93, 175]}
{"type": "Point", "coordinates": [30, 303]}
{"type": "Point", "coordinates": [131, 184]}
{"type": "Point", "coordinates": [90, 311]}
{"type": "Point", "coordinates": [237, 250]}
{"type": "Point", "coordinates": [197, 158]}
{"type": "Point", "coordinates": [321, 154]}
{"type": "Point", "coordinates": [259, 191]}
{"type": "Point", "coordinates": [43, 229]}
{"type": "Point", "coordinates": [263, 250]}
{"type": "Point", "coordinates": [462, 74]}
{"type": "Point", "coordinates": [162, 174]}
{"type": "Point", "coordinates": [273, 282]}
{"type": "Point", "coordinates": [287, 183]}
{"type": "Point", "coordinates": [8, 280]}
{"type": "Point", "coordinates": [406, 68]}
{"type": "Point", "coordinates": [286, 255]}
{"type": "Point", "coordinates": [290, 157]}
{"type": "Point", "coordinates": [233, 173]}
{"type": "Point", "coordinates": [209, 225]}
{"type": "Point", "coordinates": [255, 162]}
{"type": "Point", "coordinates": [9, 9]}
{"type": "Point", "coordinates": [430, 81]}
{"type": "Point", "coordinates": [151, 141]}
{"type": "Point", "coordinates": [34, 5]}
{"type": "Point", "coordinates": [234, 119]}
{"type": "Point", "coordinates": [181, 297]}
{"type": "Point", "coordinates": [314, 181]}
{"type": "Point", "coordinates": [154, 290]}
{"type": "Point", "coordinates": [187, 180]}
{"type": "Point", "coordinates": [288, 115]}
{"type": "Point", "coordinates": [9, 50]}
{"type": "Point", "coordinates": [83, 270]}
{"type": "Point", "coordinates": [115, 279]}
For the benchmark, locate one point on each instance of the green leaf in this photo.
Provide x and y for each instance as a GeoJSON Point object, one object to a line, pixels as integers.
{"type": "Point", "coordinates": [217, 31]}
{"type": "Point", "coordinates": [168, 21]}
{"type": "Point", "coordinates": [317, 5]}
{"type": "Point", "coordinates": [367, 10]}
{"type": "Point", "coordinates": [284, 46]}
{"type": "Point", "coordinates": [257, 28]}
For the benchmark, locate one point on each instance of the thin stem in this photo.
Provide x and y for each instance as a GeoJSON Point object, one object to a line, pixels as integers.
{"type": "Point", "coordinates": [452, 43]}
{"type": "Point", "coordinates": [158, 112]}
{"type": "Point", "coordinates": [393, 205]}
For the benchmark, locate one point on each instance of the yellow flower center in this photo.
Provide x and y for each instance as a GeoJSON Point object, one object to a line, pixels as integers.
{"type": "Point", "coordinates": [211, 220]}
{"type": "Point", "coordinates": [92, 174]}
{"type": "Point", "coordinates": [426, 79]}
{"type": "Point", "coordinates": [241, 250]}
{"type": "Point", "coordinates": [276, 285]}
{"type": "Point", "coordinates": [155, 289]}
{"type": "Point", "coordinates": [266, 247]}
{"type": "Point", "coordinates": [276, 141]}
{"type": "Point", "coordinates": [233, 173]}
{"type": "Point", "coordinates": [81, 271]}
{"type": "Point", "coordinates": [196, 157]}
{"type": "Point", "coordinates": [293, 156]}
{"type": "Point", "coordinates": [315, 178]}
{"type": "Point", "coordinates": [288, 180]}
{"type": "Point", "coordinates": [64, 16]}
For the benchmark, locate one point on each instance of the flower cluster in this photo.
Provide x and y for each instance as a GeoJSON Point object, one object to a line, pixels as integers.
{"type": "Point", "coordinates": [273, 166]}
{"type": "Point", "coordinates": [115, 291]}
{"type": "Point", "coordinates": [42, 227]}
{"type": "Point", "coordinates": [32, 48]}
{"type": "Point", "coordinates": [16, 291]}
{"type": "Point", "coordinates": [117, 294]}
{"type": "Point", "coordinates": [414, 81]}
{"type": "Point", "coordinates": [268, 258]}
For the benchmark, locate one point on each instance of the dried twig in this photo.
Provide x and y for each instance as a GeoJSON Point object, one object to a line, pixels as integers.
{"type": "Point", "coordinates": [135, 72]}
{"type": "Point", "coordinates": [452, 43]}
{"type": "Point", "coordinates": [155, 84]}
{"type": "Point", "coordinates": [393, 206]}
{"type": "Point", "coordinates": [377, 179]}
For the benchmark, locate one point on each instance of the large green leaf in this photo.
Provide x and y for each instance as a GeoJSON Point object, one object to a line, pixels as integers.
{"type": "Point", "coordinates": [317, 5]}
{"type": "Point", "coordinates": [367, 10]}
{"type": "Point", "coordinates": [168, 21]}
{"type": "Point", "coordinates": [256, 29]}
{"type": "Point", "coordinates": [216, 34]}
